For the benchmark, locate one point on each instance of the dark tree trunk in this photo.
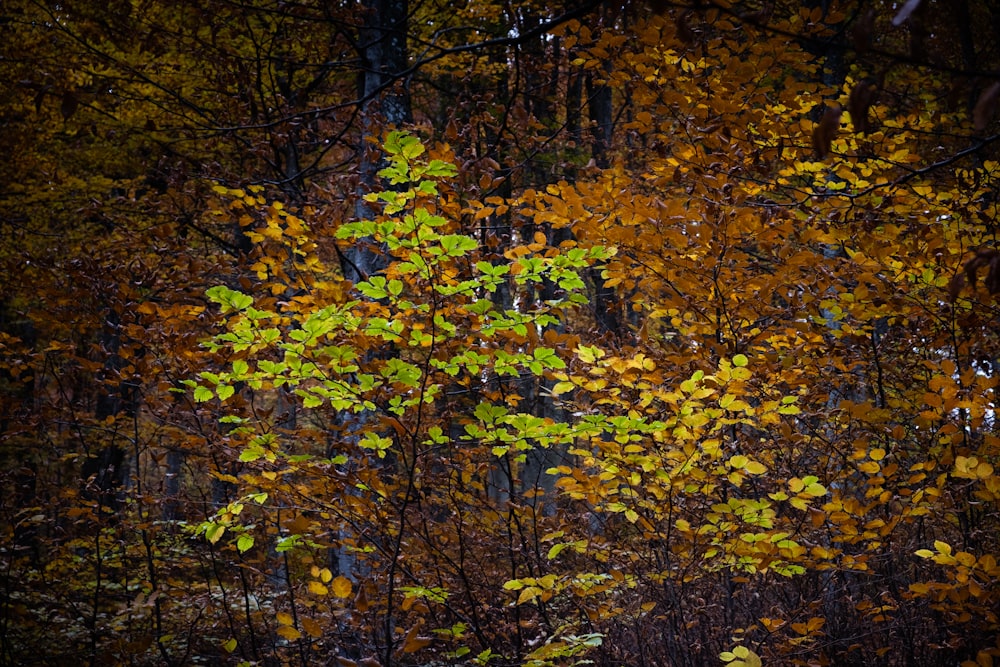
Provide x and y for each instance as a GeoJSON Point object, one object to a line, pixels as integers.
{"type": "Point", "coordinates": [104, 472]}
{"type": "Point", "coordinates": [385, 103]}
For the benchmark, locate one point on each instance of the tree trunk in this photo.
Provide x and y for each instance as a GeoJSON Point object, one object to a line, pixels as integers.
{"type": "Point", "coordinates": [104, 471]}
{"type": "Point", "coordinates": [385, 103]}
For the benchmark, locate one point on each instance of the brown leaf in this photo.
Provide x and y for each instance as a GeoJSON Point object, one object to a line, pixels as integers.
{"type": "Point", "coordinates": [825, 131]}
{"type": "Point", "coordinates": [684, 31]}
{"type": "Point", "coordinates": [413, 642]}
{"type": "Point", "coordinates": [69, 105]}
{"type": "Point", "coordinates": [984, 257]}
{"type": "Point", "coordinates": [361, 600]}
{"type": "Point", "coordinates": [863, 31]}
{"type": "Point", "coordinates": [986, 107]}
{"type": "Point", "coordinates": [861, 99]}
{"type": "Point", "coordinates": [993, 275]}
{"type": "Point", "coordinates": [762, 16]}
{"type": "Point", "coordinates": [955, 286]}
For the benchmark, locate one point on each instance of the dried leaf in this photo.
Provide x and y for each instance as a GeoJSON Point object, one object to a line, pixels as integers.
{"type": "Point", "coordinates": [361, 600]}
{"type": "Point", "coordinates": [825, 131]}
{"type": "Point", "coordinates": [863, 30]}
{"type": "Point", "coordinates": [684, 31]}
{"type": "Point", "coordinates": [412, 642]}
{"type": "Point", "coordinates": [861, 99]}
{"type": "Point", "coordinates": [986, 107]}
{"type": "Point", "coordinates": [955, 286]}
{"type": "Point", "coordinates": [312, 627]}
{"type": "Point", "coordinates": [69, 105]}
{"type": "Point", "coordinates": [985, 257]}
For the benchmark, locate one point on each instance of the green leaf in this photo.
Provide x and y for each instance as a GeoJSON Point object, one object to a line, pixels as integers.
{"type": "Point", "coordinates": [214, 532]}
{"type": "Point", "coordinates": [556, 550]}
{"type": "Point", "coordinates": [412, 147]}
{"type": "Point", "coordinates": [202, 394]}
{"type": "Point", "coordinates": [251, 453]}
{"type": "Point", "coordinates": [373, 288]}
{"type": "Point", "coordinates": [440, 169]}
{"type": "Point", "coordinates": [244, 542]}
{"type": "Point", "coordinates": [225, 391]}
{"type": "Point", "coordinates": [228, 298]}
{"type": "Point", "coordinates": [488, 413]}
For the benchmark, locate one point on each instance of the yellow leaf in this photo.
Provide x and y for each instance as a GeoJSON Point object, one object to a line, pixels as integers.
{"type": "Point", "coordinates": [755, 468]}
{"type": "Point", "coordinates": [965, 558]}
{"type": "Point", "coordinates": [316, 588]}
{"type": "Point", "coordinates": [528, 594]}
{"type": "Point", "coordinates": [870, 467]}
{"type": "Point", "coordinates": [325, 575]}
{"type": "Point", "coordinates": [342, 587]}
{"type": "Point", "coordinates": [816, 489]}
{"type": "Point", "coordinates": [285, 618]}
{"type": "Point", "coordinates": [288, 632]}
{"type": "Point", "coordinates": [942, 547]}
{"type": "Point", "coordinates": [562, 388]}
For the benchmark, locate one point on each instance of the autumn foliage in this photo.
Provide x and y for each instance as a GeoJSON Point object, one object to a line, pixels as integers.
{"type": "Point", "coordinates": [412, 333]}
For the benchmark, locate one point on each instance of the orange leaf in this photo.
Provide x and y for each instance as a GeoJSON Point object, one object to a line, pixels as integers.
{"type": "Point", "coordinates": [414, 643]}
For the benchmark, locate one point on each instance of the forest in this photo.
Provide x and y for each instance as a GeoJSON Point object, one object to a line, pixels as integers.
{"type": "Point", "coordinates": [375, 333]}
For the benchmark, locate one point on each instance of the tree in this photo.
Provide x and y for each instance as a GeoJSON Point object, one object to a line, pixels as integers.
{"type": "Point", "coordinates": [640, 333]}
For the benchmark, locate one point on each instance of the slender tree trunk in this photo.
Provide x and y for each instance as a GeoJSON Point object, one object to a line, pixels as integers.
{"type": "Point", "coordinates": [600, 101]}
{"type": "Point", "coordinates": [17, 405]}
{"type": "Point", "coordinates": [385, 103]}
{"type": "Point", "coordinates": [104, 471]}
